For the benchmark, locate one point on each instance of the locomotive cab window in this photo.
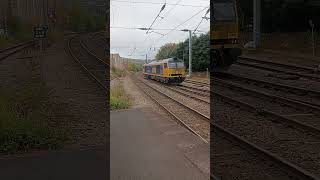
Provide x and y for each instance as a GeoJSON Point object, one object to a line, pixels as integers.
{"type": "Point", "coordinates": [224, 11]}
{"type": "Point", "coordinates": [148, 69]}
{"type": "Point", "coordinates": [176, 63]}
{"type": "Point", "coordinates": [180, 65]}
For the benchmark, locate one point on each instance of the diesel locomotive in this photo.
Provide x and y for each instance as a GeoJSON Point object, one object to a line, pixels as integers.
{"type": "Point", "coordinates": [170, 70]}
{"type": "Point", "coordinates": [224, 34]}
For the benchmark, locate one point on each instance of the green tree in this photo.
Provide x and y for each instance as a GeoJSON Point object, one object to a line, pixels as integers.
{"type": "Point", "coordinates": [166, 51]}
{"type": "Point", "coordinates": [200, 52]}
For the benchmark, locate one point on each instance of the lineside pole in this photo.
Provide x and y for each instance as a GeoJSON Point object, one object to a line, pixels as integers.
{"type": "Point", "coordinates": [257, 23]}
{"type": "Point", "coordinates": [146, 58]}
{"type": "Point", "coordinates": [190, 53]}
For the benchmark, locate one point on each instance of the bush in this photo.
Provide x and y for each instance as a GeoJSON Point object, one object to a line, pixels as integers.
{"type": "Point", "coordinates": [117, 72]}
{"type": "Point", "coordinates": [134, 67]}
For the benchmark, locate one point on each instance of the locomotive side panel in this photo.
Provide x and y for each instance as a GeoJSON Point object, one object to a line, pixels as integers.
{"type": "Point", "coordinates": [224, 35]}
{"type": "Point", "coordinates": [168, 71]}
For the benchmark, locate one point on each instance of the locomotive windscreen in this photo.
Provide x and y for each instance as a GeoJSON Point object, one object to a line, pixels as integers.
{"type": "Point", "coordinates": [176, 63]}
{"type": "Point", "coordinates": [224, 11]}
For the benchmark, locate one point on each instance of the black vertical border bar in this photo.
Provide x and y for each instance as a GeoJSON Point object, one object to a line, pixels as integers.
{"type": "Point", "coordinates": [107, 55]}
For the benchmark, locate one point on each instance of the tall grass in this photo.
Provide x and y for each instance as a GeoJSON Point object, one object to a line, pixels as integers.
{"type": "Point", "coordinates": [134, 67]}
{"type": "Point", "coordinates": [118, 72]}
{"type": "Point", "coordinates": [118, 98]}
{"type": "Point", "coordinates": [25, 122]}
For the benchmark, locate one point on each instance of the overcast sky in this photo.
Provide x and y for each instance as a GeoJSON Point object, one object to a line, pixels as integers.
{"type": "Point", "coordinates": [136, 44]}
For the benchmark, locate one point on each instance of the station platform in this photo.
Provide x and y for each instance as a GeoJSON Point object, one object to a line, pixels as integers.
{"type": "Point", "coordinates": [60, 165]}
{"type": "Point", "coordinates": [146, 145]}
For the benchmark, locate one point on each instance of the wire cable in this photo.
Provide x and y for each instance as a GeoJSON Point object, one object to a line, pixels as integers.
{"type": "Point", "coordinates": [168, 12]}
{"type": "Point", "coordinates": [123, 27]}
{"type": "Point", "coordinates": [175, 28]}
{"type": "Point", "coordinates": [162, 8]}
{"type": "Point", "coordinates": [140, 2]}
{"type": "Point", "coordinates": [184, 23]}
{"type": "Point", "coordinates": [152, 24]}
{"type": "Point", "coordinates": [201, 21]}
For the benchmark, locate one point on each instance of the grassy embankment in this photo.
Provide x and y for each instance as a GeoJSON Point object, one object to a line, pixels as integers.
{"type": "Point", "coordinates": [118, 97]}
{"type": "Point", "coordinates": [117, 73]}
{"type": "Point", "coordinates": [26, 120]}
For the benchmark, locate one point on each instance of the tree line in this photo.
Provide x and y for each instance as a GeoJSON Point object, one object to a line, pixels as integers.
{"type": "Point", "coordinates": [80, 20]}
{"type": "Point", "coordinates": [200, 52]}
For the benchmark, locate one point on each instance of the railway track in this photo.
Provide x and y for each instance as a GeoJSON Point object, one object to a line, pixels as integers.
{"type": "Point", "coordinates": [190, 118]}
{"type": "Point", "coordinates": [4, 53]}
{"type": "Point", "coordinates": [96, 44]}
{"type": "Point", "coordinates": [244, 98]}
{"type": "Point", "coordinates": [221, 134]}
{"type": "Point", "coordinates": [306, 96]}
{"type": "Point", "coordinates": [200, 84]}
{"type": "Point", "coordinates": [290, 69]}
{"type": "Point", "coordinates": [284, 109]}
{"type": "Point", "coordinates": [194, 90]}
{"type": "Point", "coordinates": [231, 153]}
{"type": "Point", "coordinates": [195, 87]}
{"type": "Point", "coordinates": [278, 136]}
{"type": "Point", "coordinates": [197, 96]}
{"type": "Point", "coordinates": [185, 92]}
{"type": "Point", "coordinates": [95, 67]}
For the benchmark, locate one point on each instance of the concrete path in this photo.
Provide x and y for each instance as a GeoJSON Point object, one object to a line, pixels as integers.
{"type": "Point", "coordinates": [147, 146]}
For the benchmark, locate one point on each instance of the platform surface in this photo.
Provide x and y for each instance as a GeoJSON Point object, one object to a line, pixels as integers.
{"type": "Point", "coordinates": [145, 145]}
{"type": "Point", "coordinates": [67, 165]}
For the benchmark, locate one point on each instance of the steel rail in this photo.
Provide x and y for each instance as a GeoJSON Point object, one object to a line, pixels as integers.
{"type": "Point", "coordinates": [92, 54]}
{"type": "Point", "coordinates": [183, 105]}
{"type": "Point", "coordinates": [197, 89]}
{"type": "Point", "coordinates": [204, 84]}
{"type": "Point", "coordinates": [272, 156]}
{"type": "Point", "coordinates": [188, 95]}
{"type": "Point", "coordinates": [278, 117]}
{"type": "Point", "coordinates": [299, 74]}
{"type": "Point", "coordinates": [184, 94]}
{"type": "Point", "coordinates": [17, 48]}
{"type": "Point", "coordinates": [169, 111]}
{"type": "Point", "coordinates": [202, 93]}
{"type": "Point", "coordinates": [285, 100]}
{"type": "Point", "coordinates": [286, 65]}
{"type": "Point", "coordinates": [199, 82]}
{"type": "Point", "coordinates": [278, 85]}
{"type": "Point", "coordinates": [102, 85]}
